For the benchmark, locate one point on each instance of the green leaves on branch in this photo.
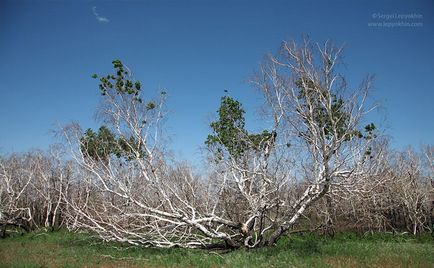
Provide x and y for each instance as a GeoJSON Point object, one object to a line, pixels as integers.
{"type": "Point", "coordinates": [370, 131]}
{"type": "Point", "coordinates": [103, 144]}
{"type": "Point", "coordinates": [229, 130]}
{"type": "Point", "coordinates": [97, 145]}
{"type": "Point", "coordinates": [150, 105]}
{"type": "Point", "coordinates": [333, 120]}
{"type": "Point", "coordinates": [120, 82]}
{"type": "Point", "coordinates": [229, 133]}
{"type": "Point", "coordinates": [258, 141]}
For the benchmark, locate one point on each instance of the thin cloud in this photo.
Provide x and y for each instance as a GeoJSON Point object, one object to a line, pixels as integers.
{"type": "Point", "coordinates": [98, 17]}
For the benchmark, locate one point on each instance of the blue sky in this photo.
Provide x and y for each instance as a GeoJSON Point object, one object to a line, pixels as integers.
{"type": "Point", "coordinates": [195, 50]}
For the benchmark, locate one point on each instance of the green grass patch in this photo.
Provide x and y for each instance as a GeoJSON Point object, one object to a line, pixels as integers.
{"type": "Point", "coordinates": [65, 249]}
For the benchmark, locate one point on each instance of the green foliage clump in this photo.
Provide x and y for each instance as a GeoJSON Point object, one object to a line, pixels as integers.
{"type": "Point", "coordinates": [229, 133]}
{"type": "Point", "coordinates": [102, 144]}
{"type": "Point", "coordinates": [334, 121]}
{"type": "Point", "coordinates": [98, 144]}
{"type": "Point", "coordinates": [258, 141]}
{"type": "Point", "coordinates": [229, 129]}
{"type": "Point", "coordinates": [120, 82]}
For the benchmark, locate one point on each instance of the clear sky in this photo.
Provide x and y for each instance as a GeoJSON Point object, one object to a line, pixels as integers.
{"type": "Point", "coordinates": [195, 50]}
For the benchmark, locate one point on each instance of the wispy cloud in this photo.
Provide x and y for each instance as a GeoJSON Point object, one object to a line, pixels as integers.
{"type": "Point", "coordinates": [98, 17]}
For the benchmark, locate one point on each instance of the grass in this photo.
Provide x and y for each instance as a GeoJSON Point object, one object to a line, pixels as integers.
{"type": "Point", "coordinates": [64, 249]}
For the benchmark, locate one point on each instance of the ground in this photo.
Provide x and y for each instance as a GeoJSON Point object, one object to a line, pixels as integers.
{"type": "Point", "coordinates": [64, 249]}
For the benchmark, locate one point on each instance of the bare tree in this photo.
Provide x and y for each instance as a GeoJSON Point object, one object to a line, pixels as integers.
{"type": "Point", "coordinates": [394, 197]}
{"type": "Point", "coordinates": [408, 191]}
{"type": "Point", "coordinates": [32, 186]}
